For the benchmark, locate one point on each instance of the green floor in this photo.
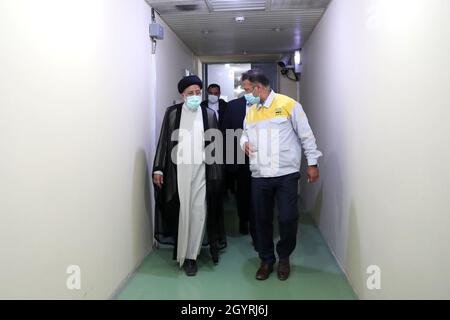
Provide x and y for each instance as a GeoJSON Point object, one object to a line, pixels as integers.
{"type": "Point", "coordinates": [314, 272]}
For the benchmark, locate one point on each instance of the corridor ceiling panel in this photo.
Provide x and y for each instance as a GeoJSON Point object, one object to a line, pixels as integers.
{"type": "Point", "coordinates": [209, 27]}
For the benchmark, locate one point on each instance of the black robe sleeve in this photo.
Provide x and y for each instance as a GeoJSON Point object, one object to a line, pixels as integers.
{"type": "Point", "coordinates": [159, 164]}
{"type": "Point", "coordinates": [166, 198]}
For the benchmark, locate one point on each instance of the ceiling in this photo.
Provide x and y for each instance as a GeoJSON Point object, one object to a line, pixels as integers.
{"type": "Point", "coordinates": [271, 27]}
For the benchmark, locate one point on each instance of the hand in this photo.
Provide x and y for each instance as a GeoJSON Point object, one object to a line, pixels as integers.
{"type": "Point", "coordinates": [158, 180]}
{"type": "Point", "coordinates": [248, 149]}
{"type": "Point", "coordinates": [313, 174]}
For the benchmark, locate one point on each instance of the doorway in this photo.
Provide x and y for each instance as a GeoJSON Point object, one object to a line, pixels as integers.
{"type": "Point", "coordinates": [228, 77]}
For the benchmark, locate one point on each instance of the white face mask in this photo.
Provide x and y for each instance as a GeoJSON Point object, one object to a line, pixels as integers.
{"type": "Point", "coordinates": [212, 98]}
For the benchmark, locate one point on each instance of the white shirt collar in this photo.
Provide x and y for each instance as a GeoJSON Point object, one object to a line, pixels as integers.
{"type": "Point", "coordinates": [268, 101]}
{"type": "Point", "coordinates": [214, 106]}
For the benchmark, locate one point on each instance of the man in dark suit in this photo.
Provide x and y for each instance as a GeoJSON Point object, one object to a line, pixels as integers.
{"type": "Point", "coordinates": [234, 119]}
{"type": "Point", "coordinates": [219, 106]}
{"type": "Point", "coordinates": [214, 102]}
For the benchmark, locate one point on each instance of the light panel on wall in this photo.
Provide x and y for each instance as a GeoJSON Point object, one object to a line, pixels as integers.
{"type": "Point", "coordinates": [297, 61]}
{"type": "Point", "coordinates": [297, 57]}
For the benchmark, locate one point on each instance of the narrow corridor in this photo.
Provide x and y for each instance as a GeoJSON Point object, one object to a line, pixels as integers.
{"type": "Point", "coordinates": [84, 89]}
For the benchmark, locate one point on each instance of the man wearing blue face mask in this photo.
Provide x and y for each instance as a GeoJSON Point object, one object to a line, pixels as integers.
{"type": "Point", "coordinates": [188, 189]}
{"type": "Point", "coordinates": [276, 131]}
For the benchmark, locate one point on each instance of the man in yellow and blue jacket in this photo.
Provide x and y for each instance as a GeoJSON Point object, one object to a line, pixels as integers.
{"type": "Point", "coordinates": [276, 130]}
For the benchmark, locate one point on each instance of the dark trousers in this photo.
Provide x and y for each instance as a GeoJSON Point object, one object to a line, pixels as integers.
{"type": "Point", "coordinates": [229, 182]}
{"type": "Point", "coordinates": [264, 193]}
{"type": "Point", "coordinates": [243, 198]}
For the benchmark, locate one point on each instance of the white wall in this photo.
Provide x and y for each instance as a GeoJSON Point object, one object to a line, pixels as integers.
{"type": "Point", "coordinates": [173, 57]}
{"type": "Point", "coordinates": [76, 137]}
{"type": "Point", "coordinates": [375, 87]}
{"type": "Point", "coordinates": [287, 86]}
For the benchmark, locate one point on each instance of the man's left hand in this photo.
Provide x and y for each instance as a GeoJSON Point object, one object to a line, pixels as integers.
{"type": "Point", "coordinates": [313, 174]}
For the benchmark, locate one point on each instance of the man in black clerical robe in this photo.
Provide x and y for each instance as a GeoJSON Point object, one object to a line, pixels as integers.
{"type": "Point", "coordinates": [167, 194]}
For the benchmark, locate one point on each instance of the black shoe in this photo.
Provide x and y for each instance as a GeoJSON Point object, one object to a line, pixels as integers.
{"type": "Point", "coordinates": [190, 267]}
{"type": "Point", "coordinates": [214, 255]}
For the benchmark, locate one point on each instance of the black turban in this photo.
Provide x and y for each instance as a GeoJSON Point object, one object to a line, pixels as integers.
{"type": "Point", "coordinates": [189, 81]}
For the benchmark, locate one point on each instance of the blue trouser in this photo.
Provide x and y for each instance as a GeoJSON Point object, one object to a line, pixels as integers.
{"type": "Point", "coordinates": [264, 192]}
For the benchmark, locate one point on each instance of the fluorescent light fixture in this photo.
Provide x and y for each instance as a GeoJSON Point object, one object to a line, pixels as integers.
{"type": "Point", "coordinates": [297, 57]}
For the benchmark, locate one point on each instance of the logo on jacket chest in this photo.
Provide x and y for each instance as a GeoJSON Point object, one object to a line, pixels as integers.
{"type": "Point", "coordinates": [280, 112]}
